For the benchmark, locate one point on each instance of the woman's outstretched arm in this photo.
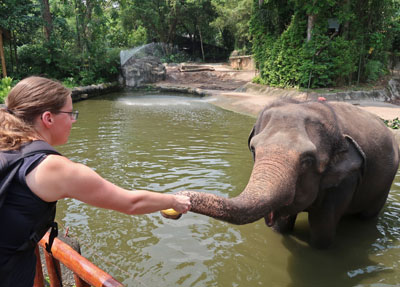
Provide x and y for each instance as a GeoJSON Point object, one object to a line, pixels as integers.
{"type": "Point", "coordinates": [57, 177]}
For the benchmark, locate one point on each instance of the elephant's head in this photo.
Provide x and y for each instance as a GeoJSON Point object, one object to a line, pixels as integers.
{"type": "Point", "coordinates": [299, 153]}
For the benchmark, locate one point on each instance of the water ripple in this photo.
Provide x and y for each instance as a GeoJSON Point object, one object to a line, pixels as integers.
{"type": "Point", "coordinates": [168, 144]}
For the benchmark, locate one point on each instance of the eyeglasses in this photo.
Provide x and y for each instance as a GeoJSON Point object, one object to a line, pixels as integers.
{"type": "Point", "coordinates": [73, 114]}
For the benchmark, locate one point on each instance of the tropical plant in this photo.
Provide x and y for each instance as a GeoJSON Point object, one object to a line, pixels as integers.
{"type": "Point", "coordinates": [310, 43]}
{"type": "Point", "coordinates": [5, 87]}
{"type": "Point", "coordinates": [393, 124]}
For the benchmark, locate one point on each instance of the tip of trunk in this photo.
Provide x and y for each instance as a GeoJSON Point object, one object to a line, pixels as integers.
{"type": "Point", "coordinates": [229, 210]}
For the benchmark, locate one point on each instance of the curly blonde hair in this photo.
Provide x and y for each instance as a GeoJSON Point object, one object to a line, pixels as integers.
{"type": "Point", "coordinates": [29, 98]}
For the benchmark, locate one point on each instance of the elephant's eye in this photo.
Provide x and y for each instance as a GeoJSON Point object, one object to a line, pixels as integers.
{"type": "Point", "coordinates": [307, 162]}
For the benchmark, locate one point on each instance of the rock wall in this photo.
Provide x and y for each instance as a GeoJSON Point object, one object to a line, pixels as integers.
{"type": "Point", "coordinates": [85, 92]}
{"type": "Point", "coordinates": [136, 72]}
{"type": "Point", "coordinates": [242, 62]}
{"type": "Point", "coordinates": [390, 93]}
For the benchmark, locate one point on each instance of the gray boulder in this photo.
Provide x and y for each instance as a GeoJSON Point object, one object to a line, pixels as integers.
{"type": "Point", "coordinates": [139, 71]}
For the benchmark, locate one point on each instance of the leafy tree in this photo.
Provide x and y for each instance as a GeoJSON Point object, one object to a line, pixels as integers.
{"type": "Point", "coordinates": [160, 18]}
{"type": "Point", "coordinates": [5, 87]}
{"type": "Point", "coordinates": [198, 15]}
{"type": "Point", "coordinates": [171, 21]}
{"type": "Point", "coordinates": [20, 18]}
{"type": "Point", "coordinates": [315, 54]}
{"type": "Point", "coordinates": [47, 19]}
{"type": "Point", "coordinates": [79, 40]}
{"type": "Point", "coordinates": [233, 23]}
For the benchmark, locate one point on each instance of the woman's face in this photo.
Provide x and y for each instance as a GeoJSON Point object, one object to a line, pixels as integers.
{"type": "Point", "coordinates": [62, 124]}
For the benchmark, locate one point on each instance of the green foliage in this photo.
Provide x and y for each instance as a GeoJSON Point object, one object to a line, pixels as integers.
{"type": "Point", "coordinates": [288, 55]}
{"type": "Point", "coordinates": [232, 24]}
{"type": "Point", "coordinates": [178, 57]}
{"type": "Point", "coordinates": [5, 87]}
{"type": "Point", "coordinates": [393, 124]}
{"type": "Point", "coordinates": [78, 47]}
{"type": "Point", "coordinates": [327, 62]}
{"type": "Point", "coordinates": [137, 37]}
{"type": "Point", "coordinates": [32, 58]}
{"type": "Point", "coordinates": [186, 23]}
{"type": "Point", "coordinates": [374, 70]}
{"type": "Point", "coordinates": [100, 65]}
{"type": "Point", "coordinates": [281, 64]}
{"type": "Point", "coordinates": [86, 37]}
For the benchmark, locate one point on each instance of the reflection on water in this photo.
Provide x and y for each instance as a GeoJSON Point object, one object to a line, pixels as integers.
{"type": "Point", "coordinates": [171, 143]}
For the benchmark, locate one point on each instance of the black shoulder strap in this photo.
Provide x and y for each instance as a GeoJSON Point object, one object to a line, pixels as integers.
{"type": "Point", "coordinates": [10, 162]}
{"type": "Point", "coordinates": [36, 147]}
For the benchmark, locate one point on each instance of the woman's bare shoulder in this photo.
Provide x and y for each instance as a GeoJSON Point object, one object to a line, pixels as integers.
{"type": "Point", "coordinates": [55, 176]}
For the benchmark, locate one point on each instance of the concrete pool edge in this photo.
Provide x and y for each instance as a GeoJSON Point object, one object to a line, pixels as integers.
{"type": "Point", "coordinates": [250, 103]}
{"type": "Point", "coordinates": [245, 102]}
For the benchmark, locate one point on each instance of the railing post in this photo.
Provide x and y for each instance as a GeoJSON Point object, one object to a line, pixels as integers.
{"type": "Point", "coordinates": [89, 274]}
{"type": "Point", "coordinates": [79, 282]}
{"type": "Point", "coordinates": [39, 279]}
{"type": "Point", "coordinates": [53, 269]}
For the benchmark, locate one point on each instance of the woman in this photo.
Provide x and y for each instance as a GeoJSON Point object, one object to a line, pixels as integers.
{"type": "Point", "coordinates": [41, 109]}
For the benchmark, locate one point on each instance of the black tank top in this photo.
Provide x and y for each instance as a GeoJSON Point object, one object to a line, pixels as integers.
{"type": "Point", "coordinates": [19, 215]}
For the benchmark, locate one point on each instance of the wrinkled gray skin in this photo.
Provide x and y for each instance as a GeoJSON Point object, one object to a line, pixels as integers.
{"type": "Point", "coordinates": [327, 158]}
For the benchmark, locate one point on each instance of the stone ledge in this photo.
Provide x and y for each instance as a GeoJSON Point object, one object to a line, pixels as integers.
{"type": "Point", "coordinates": [85, 92]}
{"type": "Point", "coordinates": [384, 94]}
{"type": "Point", "coordinates": [178, 89]}
{"type": "Point", "coordinates": [253, 93]}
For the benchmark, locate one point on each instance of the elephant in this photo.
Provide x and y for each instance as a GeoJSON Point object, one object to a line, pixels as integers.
{"type": "Point", "coordinates": [330, 159]}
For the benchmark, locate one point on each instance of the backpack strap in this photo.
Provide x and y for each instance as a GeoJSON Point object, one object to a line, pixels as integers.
{"type": "Point", "coordinates": [39, 231]}
{"type": "Point", "coordinates": [10, 163]}
{"type": "Point", "coordinates": [36, 147]}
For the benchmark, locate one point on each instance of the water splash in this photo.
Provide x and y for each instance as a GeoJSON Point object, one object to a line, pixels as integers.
{"type": "Point", "coordinates": [159, 100]}
{"type": "Point", "coordinates": [153, 49]}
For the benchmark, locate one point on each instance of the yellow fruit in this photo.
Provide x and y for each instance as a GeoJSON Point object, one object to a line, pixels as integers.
{"type": "Point", "coordinates": [171, 213]}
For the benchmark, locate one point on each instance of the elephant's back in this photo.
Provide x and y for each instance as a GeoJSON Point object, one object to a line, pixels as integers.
{"type": "Point", "coordinates": [360, 119]}
{"type": "Point", "coordinates": [376, 141]}
{"type": "Point", "coordinates": [366, 128]}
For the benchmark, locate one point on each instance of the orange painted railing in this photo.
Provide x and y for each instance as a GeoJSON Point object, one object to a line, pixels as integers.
{"type": "Point", "coordinates": [85, 272]}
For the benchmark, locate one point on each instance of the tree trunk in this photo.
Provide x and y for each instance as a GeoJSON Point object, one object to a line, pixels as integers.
{"type": "Point", "coordinates": [14, 43]}
{"type": "Point", "coordinates": [346, 26]}
{"type": "Point", "coordinates": [11, 55]}
{"type": "Point", "coordinates": [3, 61]}
{"type": "Point", "coordinates": [89, 9]}
{"type": "Point", "coordinates": [310, 26]}
{"type": "Point", "coordinates": [77, 23]}
{"type": "Point", "coordinates": [48, 26]}
{"type": "Point", "coordinates": [201, 44]}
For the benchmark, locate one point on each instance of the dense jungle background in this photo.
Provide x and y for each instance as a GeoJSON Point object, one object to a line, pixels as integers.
{"type": "Point", "coordinates": [295, 43]}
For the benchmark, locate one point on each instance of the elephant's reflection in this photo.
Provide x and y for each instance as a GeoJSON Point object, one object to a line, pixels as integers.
{"type": "Point", "coordinates": [347, 263]}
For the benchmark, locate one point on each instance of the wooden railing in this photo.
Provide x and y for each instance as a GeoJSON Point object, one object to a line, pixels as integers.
{"type": "Point", "coordinates": [85, 272]}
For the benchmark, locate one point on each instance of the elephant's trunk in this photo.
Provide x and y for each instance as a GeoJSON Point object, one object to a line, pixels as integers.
{"type": "Point", "coordinates": [271, 186]}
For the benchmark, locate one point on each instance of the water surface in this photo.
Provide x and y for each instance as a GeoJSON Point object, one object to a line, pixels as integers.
{"type": "Point", "coordinates": [169, 143]}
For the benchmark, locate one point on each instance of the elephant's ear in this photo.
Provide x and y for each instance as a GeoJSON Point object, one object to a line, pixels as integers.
{"type": "Point", "coordinates": [350, 162]}
{"type": "Point", "coordinates": [249, 140]}
{"type": "Point", "coordinates": [250, 137]}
